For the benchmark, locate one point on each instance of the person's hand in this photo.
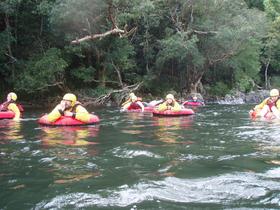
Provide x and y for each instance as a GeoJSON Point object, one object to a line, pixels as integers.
{"type": "Point", "coordinates": [62, 105]}
{"type": "Point", "coordinates": [270, 102]}
{"type": "Point", "coordinates": [68, 114]}
{"type": "Point", "coordinates": [16, 119]}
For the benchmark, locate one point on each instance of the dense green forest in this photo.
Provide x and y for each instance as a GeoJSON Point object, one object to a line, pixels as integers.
{"type": "Point", "coordinates": [96, 47]}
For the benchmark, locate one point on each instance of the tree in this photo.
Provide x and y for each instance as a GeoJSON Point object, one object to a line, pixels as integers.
{"type": "Point", "coordinates": [272, 39]}
{"type": "Point", "coordinates": [44, 73]}
{"type": "Point", "coordinates": [206, 34]}
{"type": "Point", "coordinates": [93, 20]}
{"type": "Point", "coordinates": [8, 36]}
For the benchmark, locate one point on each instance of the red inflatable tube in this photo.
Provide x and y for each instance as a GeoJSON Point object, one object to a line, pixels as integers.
{"type": "Point", "coordinates": [7, 115]}
{"type": "Point", "coordinates": [193, 103]}
{"type": "Point", "coordinates": [146, 109]}
{"type": "Point", "coordinates": [68, 121]}
{"type": "Point", "coordinates": [170, 113]}
{"type": "Point", "coordinates": [267, 116]}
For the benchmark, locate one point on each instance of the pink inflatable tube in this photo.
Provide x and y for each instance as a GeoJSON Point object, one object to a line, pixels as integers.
{"type": "Point", "coordinates": [170, 113]}
{"type": "Point", "coordinates": [192, 103]}
{"type": "Point", "coordinates": [146, 109]}
{"type": "Point", "coordinates": [7, 115]}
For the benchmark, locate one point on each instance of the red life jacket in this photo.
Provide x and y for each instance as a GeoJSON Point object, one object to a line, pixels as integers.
{"type": "Point", "coordinates": [20, 107]}
{"type": "Point", "coordinates": [4, 106]}
{"type": "Point", "coordinates": [134, 105]}
{"type": "Point", "coordinates": [271, 103]}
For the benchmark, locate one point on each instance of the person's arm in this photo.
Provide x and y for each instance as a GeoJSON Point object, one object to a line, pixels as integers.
{"type": "Point", "coordinates": [3, 105]}
{"type": "Point", "coordinates": [176, 107]}
{"type": "Point", "coordinates": [81, 114]}
{"type": "Point", "coordinates": [55, 114]}
{"type": "Point", "coordinates": [162, 107]}
{"type": "Point", "coordinates": [126, 102]}
{"type": "Point", "coordinates": [13, 107]}
{"type": "Point", "coordinates": [185, 102]}
{"type": "Point", "coordinates": [141, 105]}
{"type": "Point", "coordinates": [276, 109]}
{"type": "Point", "coordinates": [278, 104]}
{"type": "Point", "coordinates": [262, 104]}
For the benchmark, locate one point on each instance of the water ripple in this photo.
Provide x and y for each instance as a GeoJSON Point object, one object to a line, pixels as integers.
{"type": "Point", "coordinates": [125, 153]}
{"type": "Point", "coordinates": [226, 189]}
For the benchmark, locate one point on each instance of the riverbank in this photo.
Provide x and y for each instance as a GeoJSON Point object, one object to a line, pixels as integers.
{"type": "Point", "coordinates": [236, 97]}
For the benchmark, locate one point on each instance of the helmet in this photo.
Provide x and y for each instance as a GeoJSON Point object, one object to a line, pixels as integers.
{"type": "Point", "coordinates": [170, 96]}
{"type": "Point", "coordinates": [274, 92]}
{"type": "Point", "coordinates": [13, 96]}
{"type": "Point", "coordinates": [70, 97]}
{"type": "Point", "coordinates": [131, 95]}
{"type": "Point", "coordinates": [134, 98]}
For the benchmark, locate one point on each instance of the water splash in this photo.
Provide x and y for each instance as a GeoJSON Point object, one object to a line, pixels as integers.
{"type": "Point", "coordinates": [224, 189]}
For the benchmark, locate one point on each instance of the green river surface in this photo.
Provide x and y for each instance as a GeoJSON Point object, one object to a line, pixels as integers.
{"type": "Point", "coordinates": [218, 158]}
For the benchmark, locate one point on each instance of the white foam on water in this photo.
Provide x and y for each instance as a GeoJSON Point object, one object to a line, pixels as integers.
{"type": "Point", "coordinates": [125, 153]}
{"type": "Point", "coordinates": [223, 189]}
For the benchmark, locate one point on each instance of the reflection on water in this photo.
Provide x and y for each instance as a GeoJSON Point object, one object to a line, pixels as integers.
{"type": "Point", "coordinates": [10, 130]}
{"type": "Point", "coordinates": [67, 135]}
{"type": "Point", "coordinates": [68, 149]}
{"type": "Point", "coordinates": [166, 127]}
{"type": "Point", "coordinates": [217, 159]}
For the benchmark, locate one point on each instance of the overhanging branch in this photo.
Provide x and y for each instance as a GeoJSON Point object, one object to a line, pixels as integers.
{"type": "Point", "coordinates": [114, 31]}
{"type": "Point", "coordinates": [98, 36]}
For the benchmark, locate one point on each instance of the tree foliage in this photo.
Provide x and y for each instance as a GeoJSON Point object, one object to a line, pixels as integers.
{"type": "Point", "coordinates": [43, 72]}
{"type": "Point", "coordinates": [169, 45]}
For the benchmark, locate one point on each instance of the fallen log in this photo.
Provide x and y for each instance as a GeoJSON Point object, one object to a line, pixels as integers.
{"type": "Point", "coordinates": [103, 99]}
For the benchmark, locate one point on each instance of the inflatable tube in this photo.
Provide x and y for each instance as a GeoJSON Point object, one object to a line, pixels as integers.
{"type": "Point", "coordinates": [170, 113]}
{"type": "Point", "coordinates": [146, 109]}
{"type": "Point", "coordinates": [68, 121]}
{"type": "Point", "coordinates": [193, 103]}
{"type": "Point", "coordinates": [7, 115]}
{"type": "Point", "coordinates": [269, 116]}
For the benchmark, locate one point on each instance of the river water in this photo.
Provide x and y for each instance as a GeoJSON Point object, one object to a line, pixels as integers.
{"type": "Point", "coordinates": [216, 159]}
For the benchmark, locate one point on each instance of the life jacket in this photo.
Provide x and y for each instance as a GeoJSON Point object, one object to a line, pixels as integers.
{"type": "Point", "coordinates": [172, 104]}
{"type": "Point", "coordinates": [20, 107]}
{"type": "Point", "coordinates": [271, 103]}
{"type": "Point", "coordinates": [134, 105]}
{"type": "Point", "coordinates": [4, 106]}
{"type": "Point", "coordinates": [129, 100]}
{"type": "Point", "coordinates": [74, 108]}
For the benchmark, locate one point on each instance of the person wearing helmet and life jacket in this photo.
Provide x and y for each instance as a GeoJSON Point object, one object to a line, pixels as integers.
{"type": "Point", "coordinates": [134, 103]}
{"type": "Point", "coordinates": [126, 103]}
{"type": "Point", "coordinates": [269, 106]}
{"type": "Point", "coordinates": [129, 100]}
{"type": "Point", "coordinates": [169, 104]}
{"type": "Point", "coordinates": [10, 105]}
{"type": "Point", "coordinates": [194, 101]}
{"type": "Point", "coordinates": [70, 107]}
